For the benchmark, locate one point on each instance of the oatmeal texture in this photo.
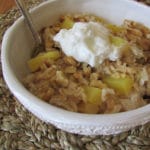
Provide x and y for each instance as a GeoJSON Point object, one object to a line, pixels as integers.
{"type": "Point", "coordinates": [121, 85]}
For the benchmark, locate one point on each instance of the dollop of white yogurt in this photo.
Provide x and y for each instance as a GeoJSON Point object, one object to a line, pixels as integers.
{"type": "Point", "coordinates": [87, 42]}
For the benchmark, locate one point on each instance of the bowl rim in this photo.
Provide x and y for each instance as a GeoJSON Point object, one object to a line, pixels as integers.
{"type": "Point", "coordinates": [137, 116]}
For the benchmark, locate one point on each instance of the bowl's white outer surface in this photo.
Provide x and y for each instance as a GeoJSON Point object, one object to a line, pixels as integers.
{"type": "Point", "coordinates": [16, 49]}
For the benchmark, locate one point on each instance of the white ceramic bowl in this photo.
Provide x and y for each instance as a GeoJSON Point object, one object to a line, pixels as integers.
{"type": "Point", "coordinates": [17, 47]}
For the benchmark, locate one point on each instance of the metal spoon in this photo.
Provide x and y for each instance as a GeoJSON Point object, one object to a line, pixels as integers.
{"type": "Point", "coordinates": [38, 41]}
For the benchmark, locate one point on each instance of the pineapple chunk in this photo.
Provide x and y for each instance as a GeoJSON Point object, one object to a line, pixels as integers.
{"type": "Point", "coordinates": [35, 63]}
{"type": "Point", "coordinates": [93, 94]}
{"type": "Point", "coordinates": [123, 85]}
{"type": "Point", "coordinates": [117, 41]}
{"type": "Point", "coordinates": [67, 23]}
{"type": "Point", "coordinates": [88, 108]}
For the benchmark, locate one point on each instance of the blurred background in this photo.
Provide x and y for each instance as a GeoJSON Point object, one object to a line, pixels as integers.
{"type": "Point", "coordinates": [5, 5]}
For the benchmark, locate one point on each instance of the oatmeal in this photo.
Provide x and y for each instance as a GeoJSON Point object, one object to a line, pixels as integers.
{"type": "Point", "coordinates": [103, 74]}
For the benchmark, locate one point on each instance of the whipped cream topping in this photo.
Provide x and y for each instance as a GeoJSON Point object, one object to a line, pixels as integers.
{"type": "Point", "coordinates": [88, 42]}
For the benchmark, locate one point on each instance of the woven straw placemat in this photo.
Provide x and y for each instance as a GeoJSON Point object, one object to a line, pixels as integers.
{"type": "Point", "coordinates": [20, 130]}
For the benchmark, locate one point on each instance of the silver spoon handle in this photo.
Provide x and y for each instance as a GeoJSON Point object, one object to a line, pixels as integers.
{"type": "Point", "coordinates": [29, 21]}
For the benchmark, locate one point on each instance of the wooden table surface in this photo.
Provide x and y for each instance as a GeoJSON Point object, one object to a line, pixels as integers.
{"type": "Point", "coordinates": [5, 5]}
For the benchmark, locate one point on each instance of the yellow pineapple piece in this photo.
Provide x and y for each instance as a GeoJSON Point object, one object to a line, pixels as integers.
{"type": "Point", "coordinates": [117, 41]}
{"type": "Point", "coordinates": [93, 94]}
{"type": "Point", "coordinates": [122, 85]}
{"type": "Point", "coordinates": [35, 62]}
{"type": "Point", "coordinates": [67, 23]}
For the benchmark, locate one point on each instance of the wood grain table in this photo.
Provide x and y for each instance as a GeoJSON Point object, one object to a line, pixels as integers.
{"type": "Point", "coordinates": [5, 5]}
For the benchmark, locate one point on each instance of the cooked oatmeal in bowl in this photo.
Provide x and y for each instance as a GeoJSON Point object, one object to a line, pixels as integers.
{"type": "Point", "coordinates": [92, 77]}
{"type": "Point", "coordinates": [92, 66]}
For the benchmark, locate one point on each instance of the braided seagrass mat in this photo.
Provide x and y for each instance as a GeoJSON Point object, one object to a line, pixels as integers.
{"type": "Point", "coordinates": [20, 130]}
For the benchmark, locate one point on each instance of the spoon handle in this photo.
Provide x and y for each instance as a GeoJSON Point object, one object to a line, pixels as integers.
{"type": "Point", "coordinates": [28, 19]}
